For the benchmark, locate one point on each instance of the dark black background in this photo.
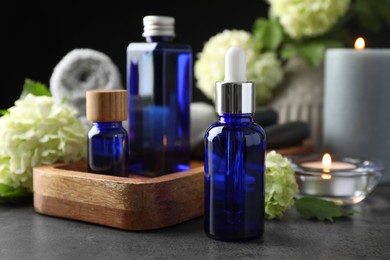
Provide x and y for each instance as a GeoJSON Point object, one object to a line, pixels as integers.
{"type": "Point", "coordinates": [37, 34]}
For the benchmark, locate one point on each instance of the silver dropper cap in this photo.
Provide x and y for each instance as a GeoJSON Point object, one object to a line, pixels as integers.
{"type": "Point", "coordinates": [235, 95]}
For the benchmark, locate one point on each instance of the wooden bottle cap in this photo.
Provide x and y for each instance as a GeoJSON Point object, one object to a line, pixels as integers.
{"type": "Point", "coordinates": [106, 105]}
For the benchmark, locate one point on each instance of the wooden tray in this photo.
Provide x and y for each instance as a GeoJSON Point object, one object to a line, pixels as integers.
{"type": "Point", "coordinates": [134, 203]}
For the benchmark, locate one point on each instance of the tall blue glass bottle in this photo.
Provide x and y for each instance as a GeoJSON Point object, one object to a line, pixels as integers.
{"type": "Point", "coordinates": [234, 159]}
{"type": "Point", "coordinates": [107, 139]}
{"type": "Point", "coordinates": [159, 83]}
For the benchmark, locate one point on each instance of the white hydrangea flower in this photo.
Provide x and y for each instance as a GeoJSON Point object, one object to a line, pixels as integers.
{"type": "Point", "coordinates": [38, 130]}
{"type": "Point", "coordinates": [280, 185]}
{"type": "Point", "coordinates": [301, 18]}
{"type": "Point", "coordinates": [265, 70]}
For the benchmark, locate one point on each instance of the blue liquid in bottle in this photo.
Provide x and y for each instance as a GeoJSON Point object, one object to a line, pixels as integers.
{"type": "Point", "coordinates": [159, 88]}
{"type": "Point", "coordinates": [234, 159]}
{"type": "Point", "coordinates": [234, 178]}
{"type": "Point", "coordinates": [108, 149]}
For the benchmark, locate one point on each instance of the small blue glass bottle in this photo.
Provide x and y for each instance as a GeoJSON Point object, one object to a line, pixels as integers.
{"type": "Point", "coordinates": [234, 159]}
{"type": "Point", "coordinates": [107, 139]}
{"type": "Point", "coordinates": [159, 84]}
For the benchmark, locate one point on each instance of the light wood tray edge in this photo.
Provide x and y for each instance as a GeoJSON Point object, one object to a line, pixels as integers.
{"type": "Point", "coordinates": [135, 203]}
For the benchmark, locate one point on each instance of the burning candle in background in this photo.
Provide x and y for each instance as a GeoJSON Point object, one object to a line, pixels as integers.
{"type": "Point", "coordinates": [360, 44]}
{"type": "Point", "coordinates": [356, 93]}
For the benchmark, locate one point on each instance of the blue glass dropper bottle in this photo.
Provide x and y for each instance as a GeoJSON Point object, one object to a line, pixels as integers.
{"type": "Point", "coordinates": [107, 139]}
{"type": "Point", "coordinates": [234, 158]}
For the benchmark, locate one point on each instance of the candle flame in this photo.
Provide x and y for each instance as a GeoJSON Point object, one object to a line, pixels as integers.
{"type": "Point", "coordinates": [326, 176]}
{"type": "Point", "coordinates": [326, 162]}
{"type": "Point", "coordinates": [360, 44]}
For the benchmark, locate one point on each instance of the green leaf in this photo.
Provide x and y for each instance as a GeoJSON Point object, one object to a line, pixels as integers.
{"type": "Point", "coordinates": [267, 33]}
{"type": "Point", "coordinates": [7, 191]}
{"type": "Point", "coordinates": [288, 51]}
{"type": "Point", "coordinates": [34, 87]}
{"type": "Point", "coordinates": [312, 51]}
{"type": "Point", "coordinates": [320, 209]}
{"type": "Point", "coordinates": [3, 112]}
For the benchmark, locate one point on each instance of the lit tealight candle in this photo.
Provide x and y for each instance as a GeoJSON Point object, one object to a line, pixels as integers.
{"type": "Point", "coordinates": [327, 165]}
{"type": "Point", "coordinates": [344, 181]}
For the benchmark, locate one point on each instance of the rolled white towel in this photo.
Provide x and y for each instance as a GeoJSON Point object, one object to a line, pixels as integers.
{"type": "Point", "coordinates": [81, 70]}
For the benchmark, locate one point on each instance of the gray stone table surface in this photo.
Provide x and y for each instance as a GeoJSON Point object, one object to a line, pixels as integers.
{"type": "Point", "coordinates": [25, 234]}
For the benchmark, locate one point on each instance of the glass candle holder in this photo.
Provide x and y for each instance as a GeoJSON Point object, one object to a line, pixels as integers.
{"type": "Point", "coordinates": [347, 182]}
